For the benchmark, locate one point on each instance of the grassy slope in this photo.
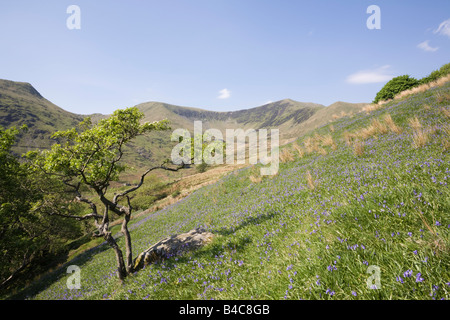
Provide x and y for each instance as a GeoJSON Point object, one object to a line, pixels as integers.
{"type": "Point", "coordinates": [21, 104]}
{"type": "Point", "coordinates": [280, 239]}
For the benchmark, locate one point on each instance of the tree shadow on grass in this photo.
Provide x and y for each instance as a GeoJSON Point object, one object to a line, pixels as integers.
{"type": "Point", "coordinates": [219, 244]}
{"type": "Point", "coordinates": [51, 277]}
{"type": "Point", "coordinates": [214, 249]}
{"type": "Point", "coordinates": [247, 221]}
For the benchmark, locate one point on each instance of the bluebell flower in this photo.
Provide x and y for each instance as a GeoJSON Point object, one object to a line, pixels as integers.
{"type": "Point", "coordinates": [419, 278]}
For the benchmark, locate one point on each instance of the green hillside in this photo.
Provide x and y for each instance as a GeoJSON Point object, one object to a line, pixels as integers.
{"type": "Point", "coordinates": [20, 104]}
{"type": "Point", "coordinates": [367, 192]}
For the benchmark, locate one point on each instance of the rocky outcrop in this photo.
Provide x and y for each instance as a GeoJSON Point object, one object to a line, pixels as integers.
{"type": "Point", "coordinates": [173, 246]}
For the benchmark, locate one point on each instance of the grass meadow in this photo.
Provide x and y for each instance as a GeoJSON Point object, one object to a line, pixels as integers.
{"type": "Point", "coordinates": [366, 192]}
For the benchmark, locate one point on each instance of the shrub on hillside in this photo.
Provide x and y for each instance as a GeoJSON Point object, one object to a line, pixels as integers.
{"type": "Point", "coordinates": [395, 86]}
{"type": "Point", "coordinates": [202, 167]}
{"type": "Point", "coordinates": [433, 76]}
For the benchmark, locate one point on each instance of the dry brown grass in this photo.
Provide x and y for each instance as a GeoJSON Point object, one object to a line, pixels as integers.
{"type": "Point", "coordinates": [414, 123]}
{"type": "Point", "coordinates": [438, 244]}
{"type": "Point", "coordinates": [391, 124]}
{"type": "Point", "coordinates": [424, 87]}
{"type": "Point", "coordinates": [299, 149]}
{"type": "Point", "coordinates": [255, 178]}
{"type": "Point", "coordinates": [380, 127]}
{"type": "Point", "coordinates": [446, 137]}
{"type": "Point", "coordinates": [372, 107]}
{"type": "Point", "coordinates": [367, 132]}
{"type": "Point", "coordinates": [358, 148]}
{"type": "Point", "coordinates": [327, 140]}
{"type": "Point", "coordinates": [445, 112]}
{"type": "Point", "coordinates": [311, 183]}
{"type": "Point", "coordinates": [420, 135]}
{"type": "Point", "coordinates": [286, 155]}
{"type": "Point", "coordinates": [332, 128]}
{"type": "Point", "coordinates": [442, 97]}
{"type": "Point", "coordinates": [376, 127]}
{"type": "Point", "coordinates": [420, 138]}
{"type": "Point", "coordinates": [309, 145]}
{"type": "Point", "coordinates": [322, 151]}
{"type": "Point", "coordinates": [348, 138]}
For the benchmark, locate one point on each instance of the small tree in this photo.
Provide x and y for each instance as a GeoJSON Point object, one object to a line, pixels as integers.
{"type": "Point", "coordinates": [88, 159]}
{"type": "Point", "coordinates": [395, 86]}
{"type": "Point", "coordinates": [435, 75]}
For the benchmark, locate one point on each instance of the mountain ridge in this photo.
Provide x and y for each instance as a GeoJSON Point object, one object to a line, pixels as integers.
{"type": "Point", "coordinates": [21, 103]}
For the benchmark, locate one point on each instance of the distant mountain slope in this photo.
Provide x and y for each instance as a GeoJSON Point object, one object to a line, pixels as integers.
{"type": "Point", "coordinates": [20, 104]}
{"type": "Point", "coordinates": [325, 115]}
{"type": "Point", "coordinates": [291, 117]}
{"type": "Point", "coordinates": [284, 115]}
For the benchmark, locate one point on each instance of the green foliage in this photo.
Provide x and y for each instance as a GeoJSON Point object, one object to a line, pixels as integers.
{"type": "Point", "coordinates": [209, 148]}
{"type": "Point", "coordinates": [91, 154]}
{"type": "Point", "coordinates": [176, 193]}
{"type": "Point", "coordinates": [433, 76]}
{"type": "Point", "coordinates": [405, 82]}
{"type": "Point", "coordinates": [152, 191]}
{"type": "Point", "coordinates": [85, 161]}
{"type": "Point", "coordinates": [26, 232]}
{"type": "Point", "coordinates": [395, 86]}
{"type": "Point", "coordinates": [202, 167]}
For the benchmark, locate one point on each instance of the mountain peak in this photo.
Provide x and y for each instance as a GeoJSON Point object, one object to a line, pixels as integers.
{"type": "Point", "coordinates": [20, 88]}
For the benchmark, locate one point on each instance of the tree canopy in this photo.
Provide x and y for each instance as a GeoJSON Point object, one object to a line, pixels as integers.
{"type": "Point", "coordinates": [86, 159]}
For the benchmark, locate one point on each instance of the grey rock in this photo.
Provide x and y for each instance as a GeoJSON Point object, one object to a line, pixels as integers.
{"type": "Point", "coordinates": [173, 246]}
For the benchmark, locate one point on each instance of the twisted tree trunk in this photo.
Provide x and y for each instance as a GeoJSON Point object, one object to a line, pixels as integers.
{"type": "Point", "coordinates": [121, 270]}
{"type": "Point", "coordinates": [128, 247]}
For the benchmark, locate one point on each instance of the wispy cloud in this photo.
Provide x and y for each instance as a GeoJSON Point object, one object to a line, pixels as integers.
{"type": "Point", "coordinates": [426, 47]}
{"type": "Point", "coordinates": [224, 94]}
{"type": "Point", "coordinates": [444, 28]}
{"type": "Point", "coordinates": [377, 75]}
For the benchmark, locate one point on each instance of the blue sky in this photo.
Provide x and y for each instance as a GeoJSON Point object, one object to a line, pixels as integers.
{"type": "Point", "coordinates": [218, 55]}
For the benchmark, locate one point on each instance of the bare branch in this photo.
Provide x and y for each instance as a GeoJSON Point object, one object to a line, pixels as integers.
{"type": "Point", "coordinates": [116, 197]}
{"type": "Point", "coordinates": [79, 218]}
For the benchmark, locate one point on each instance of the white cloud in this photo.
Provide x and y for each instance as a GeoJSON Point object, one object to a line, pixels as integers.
{"type": "Point", "coordinates": [426, 47]}
{"type": "Point", "coordinates": [444, 28]}
{"type": "Point", "coordinates": [224, 94]}
{"type": "Point", "coordinates": [381, 74]}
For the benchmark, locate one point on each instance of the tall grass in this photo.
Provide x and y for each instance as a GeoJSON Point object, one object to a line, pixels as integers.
{"type": "Point", "coordinates": [391, 124]}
